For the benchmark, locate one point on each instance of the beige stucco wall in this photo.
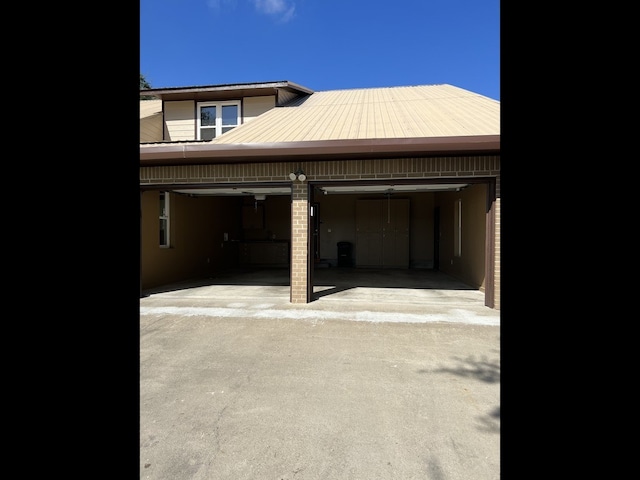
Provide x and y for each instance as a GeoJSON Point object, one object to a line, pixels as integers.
{"type": "Point", "coordinates": [151, 128]}
{"type": "Point", "coordinates": [180, 116]}
{"type": "Point", "coordinates": [254, 106]}
{"type": "Point", "coordinates": [197, 237]}
{"type": "Point", "coordinates": [180, 120]}
{"type": "Point", "coordinates": [470, 265]}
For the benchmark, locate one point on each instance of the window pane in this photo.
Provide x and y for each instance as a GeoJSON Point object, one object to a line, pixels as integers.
{"type": "Point", "coordinates": [163, 208]}
{"type": "Point", "coordinates": [226, 129]}
{"type": "Point", "coordinates": [163, 232]}
{"type": "Point", "coordinates": [207, 133]}
{"type": "Point", "coordinates": [229, 115]}
{"type": "Point", "coordinates": [207, 116]}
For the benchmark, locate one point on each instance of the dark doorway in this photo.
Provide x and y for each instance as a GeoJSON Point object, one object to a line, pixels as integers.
{"type": "Point", "coordinates": [315, 228]}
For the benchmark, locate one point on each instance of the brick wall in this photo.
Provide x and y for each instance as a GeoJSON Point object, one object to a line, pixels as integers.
{"type": "Point", "coordinates": [438, 167]}
{"type": "Point", "coordinates": [299, 242]}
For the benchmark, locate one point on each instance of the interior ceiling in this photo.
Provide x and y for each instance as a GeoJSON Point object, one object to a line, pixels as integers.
{"type": "Point", "coordinates": [326, 189]}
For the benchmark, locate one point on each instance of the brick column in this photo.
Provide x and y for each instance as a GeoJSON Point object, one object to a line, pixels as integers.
{"type": "Point", "coordinates": [299, 242]}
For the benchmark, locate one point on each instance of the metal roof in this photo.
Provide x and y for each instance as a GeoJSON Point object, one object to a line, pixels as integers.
{"type": "Point", "coordinates": [348, 124]}
{"type": "Point", "coordinates": [373, 113]}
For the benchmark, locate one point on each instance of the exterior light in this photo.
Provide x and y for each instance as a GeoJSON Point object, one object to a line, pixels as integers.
{"type": "Point", "coordinates": [299, 174]}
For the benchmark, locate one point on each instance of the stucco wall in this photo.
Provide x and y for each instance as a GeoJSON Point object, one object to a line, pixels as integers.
{"type": "Point", "coordinates": [151, 128]}
{"type": "Point", "coordinates": [470, 265]}
{"type": "Point", "coordinates": [180, 122]}
{"type": "Point", "coordinates": [197, 237]}
{"type": "Point", "coordinates": [252, 107]}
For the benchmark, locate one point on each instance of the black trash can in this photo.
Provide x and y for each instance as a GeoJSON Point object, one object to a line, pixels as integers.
{"type": "Point", "coordinates": [344, 254]}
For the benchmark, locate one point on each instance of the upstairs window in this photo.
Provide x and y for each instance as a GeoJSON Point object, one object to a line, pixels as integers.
{"type": "Point", "coordinates": [216, 118]}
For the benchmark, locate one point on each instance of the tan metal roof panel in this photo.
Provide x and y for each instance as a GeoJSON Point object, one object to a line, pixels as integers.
{"type": "Point", "coordinates": [369, 113]}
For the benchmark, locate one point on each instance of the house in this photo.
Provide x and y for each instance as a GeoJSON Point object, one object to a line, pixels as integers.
{"type": "Point", "coordinates": [275, 174]}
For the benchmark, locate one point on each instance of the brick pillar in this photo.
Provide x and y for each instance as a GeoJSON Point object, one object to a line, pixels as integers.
{"type": "Point", "coordinates": [299, 242]}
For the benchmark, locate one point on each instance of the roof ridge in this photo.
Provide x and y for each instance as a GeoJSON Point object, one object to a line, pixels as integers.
{"type": "Point", "coordinates": [387, 87]}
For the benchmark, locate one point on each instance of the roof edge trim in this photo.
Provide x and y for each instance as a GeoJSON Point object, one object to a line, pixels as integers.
{"type": "Point", "coordinates": [224, 87]}
{"type": "Point", "coordinates": [184, 154]}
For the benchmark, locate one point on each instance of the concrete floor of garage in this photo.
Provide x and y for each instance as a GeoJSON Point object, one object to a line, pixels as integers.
{"type": "Point", "coordinates": [409, 295]}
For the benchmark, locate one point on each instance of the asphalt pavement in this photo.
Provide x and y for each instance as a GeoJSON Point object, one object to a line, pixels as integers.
{"type": "Point", "coordinates": [370, 381]}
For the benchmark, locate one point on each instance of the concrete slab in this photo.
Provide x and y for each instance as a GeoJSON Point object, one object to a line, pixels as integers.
{"type": "Point", "coordinates": [410, 296]}
{"type": "Point", "coordinates": [366, 382]}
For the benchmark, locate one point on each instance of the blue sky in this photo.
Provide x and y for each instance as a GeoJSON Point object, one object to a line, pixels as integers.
{"type": "Point", "coordinates": [322, 44]}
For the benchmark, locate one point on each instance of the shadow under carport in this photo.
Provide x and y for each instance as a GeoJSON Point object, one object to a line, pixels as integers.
{"type": "Point", "coordinates": [368, 285]}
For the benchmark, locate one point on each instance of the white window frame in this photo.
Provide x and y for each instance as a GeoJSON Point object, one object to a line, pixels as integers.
{"type": "Point", "coordinates": [164, 219]}
{"type": "Point", "coordinates": [457, 228]}
{"type": "Point", "coordinates": [218, 126]}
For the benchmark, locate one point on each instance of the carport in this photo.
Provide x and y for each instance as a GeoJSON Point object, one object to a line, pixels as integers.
{"type": "Point", "coordinates": [316, 189]}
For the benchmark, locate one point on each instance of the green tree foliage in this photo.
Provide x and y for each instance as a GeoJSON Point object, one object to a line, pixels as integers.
{"type": "Point", "coordinates": [144, 85]}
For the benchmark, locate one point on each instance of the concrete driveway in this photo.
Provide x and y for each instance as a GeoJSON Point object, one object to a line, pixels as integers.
{"type": "Point", "coordinates": [237, 383]}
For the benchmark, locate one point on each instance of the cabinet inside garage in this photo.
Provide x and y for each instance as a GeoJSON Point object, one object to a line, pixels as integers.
{"type": "Point", "coordinates": [265, 230]}
{"type": "Point", "coordinates": [382, 232]}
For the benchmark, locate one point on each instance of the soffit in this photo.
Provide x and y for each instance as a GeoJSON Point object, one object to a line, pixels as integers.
{"type": "Point", "coordinates": [228, 91]}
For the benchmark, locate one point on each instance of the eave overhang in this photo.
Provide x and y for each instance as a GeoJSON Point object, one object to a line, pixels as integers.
{"type": "Point", "coordinates": [235, 90]}
{"type": "Point", "coordinates": [207, 153]}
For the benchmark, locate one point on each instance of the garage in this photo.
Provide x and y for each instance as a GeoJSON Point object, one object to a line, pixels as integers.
{"type": "Point", "coordinates": [244, 228]}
